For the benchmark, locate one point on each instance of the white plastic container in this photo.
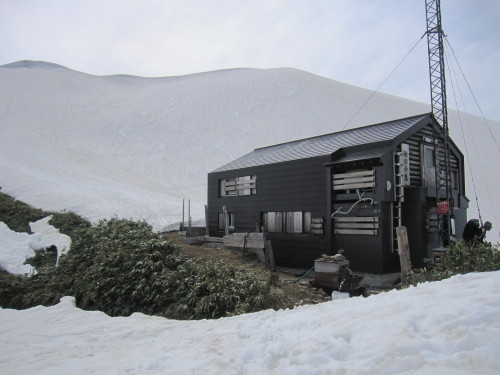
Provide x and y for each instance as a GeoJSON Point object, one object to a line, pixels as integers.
{"type": "Point", "coordinates": [339, 295]}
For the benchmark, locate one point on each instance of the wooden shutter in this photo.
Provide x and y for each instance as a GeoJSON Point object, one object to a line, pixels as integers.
{"type": "Point", "coordinates": [354, 180]}
{"type": "Point", "coordinates": [365, 225]}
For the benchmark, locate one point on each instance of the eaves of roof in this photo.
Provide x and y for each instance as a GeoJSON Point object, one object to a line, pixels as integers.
{"type": "Point", "coordinates": [362, 137]}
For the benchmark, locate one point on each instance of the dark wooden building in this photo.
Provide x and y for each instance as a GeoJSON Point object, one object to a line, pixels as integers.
{"type": "Point", "coordinates": [347, 190]}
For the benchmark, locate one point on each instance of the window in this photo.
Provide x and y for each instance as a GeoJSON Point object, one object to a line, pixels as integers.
{"type": "Point", "coordinates": [428, 163]}
{"type": "Point", "coordinates": [430, 160]}
{"type": "Point", "coordinates": [238, 186]}
{"type": "Point", "coordinates": [287, 222]}
{"type": "Point", "coordinates": [273, 221]}
{"type": "Point", "coordinates": [230, 221]}
{"type": "Point", "coordinates": [294, 222]}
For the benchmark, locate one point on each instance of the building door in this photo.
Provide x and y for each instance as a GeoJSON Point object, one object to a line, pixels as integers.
{"type": "Point", "coordinates": [428, 166]}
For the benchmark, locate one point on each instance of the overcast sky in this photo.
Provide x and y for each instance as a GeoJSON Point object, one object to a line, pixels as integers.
{"type": "Point", "coordinates": [358, 42]}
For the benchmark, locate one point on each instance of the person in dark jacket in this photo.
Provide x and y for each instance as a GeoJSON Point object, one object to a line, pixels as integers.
{"type": "Point", "coordinates": [475, 234]}
{"type": "Point", "coordinates": [485, 228]}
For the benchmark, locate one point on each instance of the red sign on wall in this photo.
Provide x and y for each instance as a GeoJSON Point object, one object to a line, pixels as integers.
{"type": "Point", "coordinates": [443, 207]}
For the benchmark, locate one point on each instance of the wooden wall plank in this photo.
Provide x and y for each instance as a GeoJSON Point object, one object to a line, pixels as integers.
{"type": "Point", "coordinates": [354, 174]}
{"type": "Point", "coordinates": [357, 225]}
{"type": "Point", "coordinates": [354, 186]}
{"type": "Point", "coordinates": [356, 231]}
{"type": "Point", "coordinates": [360, 218]}
{"type": "Point", "coordinates": [353, 180]}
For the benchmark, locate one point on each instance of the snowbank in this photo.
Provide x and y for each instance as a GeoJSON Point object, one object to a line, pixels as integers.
{"type": "Point", "coordinates": [46, 235]}
{"type": "Point", "coordinates": [449, 327]}
{"type": "Point", "coordinates": [14, 250]}
{"type": "Point", "coordinates": [16, 247]}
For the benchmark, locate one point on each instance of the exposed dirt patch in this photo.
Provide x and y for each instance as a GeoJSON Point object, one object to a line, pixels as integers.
{"type": "Point", "coordinates": [296, 293]}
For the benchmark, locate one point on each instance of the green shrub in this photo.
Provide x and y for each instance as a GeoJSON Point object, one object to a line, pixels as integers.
{"type": "Point", "coordinates": [460, 258]}
{"type": "Point", "coordinates": [43, 259]}
{"type": "Point", "coordinates": [17, 215]}
{"type": "Point", "coordinates": [121, 267]}
{"type": "Point", "coordinates": [13, 288]}
{"type": "Point", "coordinates": [203, 289]}
{"type": "Point", "coordinates": [69, 223]}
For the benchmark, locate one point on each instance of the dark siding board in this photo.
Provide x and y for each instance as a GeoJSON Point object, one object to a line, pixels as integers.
{"type": "Point", "coordinates": [298, 185]}
{"type": "Point", "coordinates": [412, 142]}
{"type": "Point", "coordinates": [363, 252]}
{"type": "Point", "coordinates": [274, 202]}
{"type": "Point", "coordinates": [297, 170]}
{"type": "Point", "coordinates": [371, 254]}
{"type": "Point", "coordinates": [361, 209]}
{"type": "Point", "coordinates": [295, 194]}
{"type": "Point", "coordinates": [415, 161]}
{"type": "Point", "coordinates": [306, 179]}
{"type": "Point", "coordinates": [390, 258]}
{"type": "Point", "coordinates": [289, 205]}
{"type": "Point", "coordinates": [386, 173]}
{"type": "Point", "coordinates": [297, 251]}
{"type": "Point", "coordinates": [415, 141]}
{"type": "Point", "coordinates": [311, 190]}
{"type": "Point", "coordinates": [414, 220]}
{"type": "Point", "coordinates": [254, 210]}
{"type": "Point", "coordinates": [278, 181]}
{"type": "Point", "coordinates": [427, 131]}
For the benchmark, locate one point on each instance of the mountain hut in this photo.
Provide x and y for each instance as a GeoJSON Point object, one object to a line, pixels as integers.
{"type": "Point", "coordinates": [347, 190]}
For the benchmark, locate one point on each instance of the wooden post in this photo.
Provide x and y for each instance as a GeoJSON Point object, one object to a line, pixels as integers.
{"type": "Point", "coordinates": [404, 252]}
{"type": "Point", "coordinates": [226, 228]}
{"type": "Point", "coordinates": [189, 217]}
{"type": "Point", "coordinates": [245, 242]}
{"type": "Point", "coordinates": [182, 225]}
{"type": "Point", "coordinates": [270, 256]}
{"type": "Point", "coordinates": [206, 221]}
{"type": "Point", "coordinates": [268, 252]}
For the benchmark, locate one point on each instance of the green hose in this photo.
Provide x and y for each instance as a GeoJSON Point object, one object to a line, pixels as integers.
{"type": "Point", "coordinates": [301, 277]}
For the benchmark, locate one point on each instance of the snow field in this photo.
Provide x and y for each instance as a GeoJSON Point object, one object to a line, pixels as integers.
{"type": "Point", "coordinates": [135, 147]}
{"type": "Point", "coordinates": [447, 327]}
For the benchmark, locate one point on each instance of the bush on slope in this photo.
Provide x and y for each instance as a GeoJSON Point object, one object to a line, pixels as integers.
{"type": "Point", "coordinates": [460, 258]}
{"type": "Point", "coordinates": [121, 267]}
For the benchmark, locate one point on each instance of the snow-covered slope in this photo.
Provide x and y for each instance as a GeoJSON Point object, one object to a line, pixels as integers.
{"type": "Point", "coordinates": [444, 328]}
{"type": "Point", "coordinates": [134, 147]}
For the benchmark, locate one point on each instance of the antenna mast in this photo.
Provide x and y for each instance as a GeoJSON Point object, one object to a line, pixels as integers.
{"type": "Point", "coordinates": [439, 109]}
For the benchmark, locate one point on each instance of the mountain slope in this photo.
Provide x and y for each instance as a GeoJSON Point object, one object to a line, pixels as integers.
{"type": "Point", "coordinates": [134, 147]}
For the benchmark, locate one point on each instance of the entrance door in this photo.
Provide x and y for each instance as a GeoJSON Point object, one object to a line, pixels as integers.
{"type": "Point", "coordinates": [428, 166]}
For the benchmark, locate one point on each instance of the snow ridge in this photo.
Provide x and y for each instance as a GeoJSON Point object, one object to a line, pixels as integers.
{"type": "Point", "coordinates": [134, 147]}
{"type": "Point", "coordinates": [449, 327]}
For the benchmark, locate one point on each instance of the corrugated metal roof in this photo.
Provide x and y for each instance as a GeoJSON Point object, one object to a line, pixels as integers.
{"type": "Point", "coordinates": [323, 144]}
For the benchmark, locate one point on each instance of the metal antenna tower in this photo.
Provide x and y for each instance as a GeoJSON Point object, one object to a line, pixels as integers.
{"type": "Point", "coordinates": [439, 109]}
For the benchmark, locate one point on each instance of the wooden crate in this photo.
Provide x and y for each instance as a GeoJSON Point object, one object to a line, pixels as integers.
{"type": "Point", "coordinates": [326, 279]}
{"type": "Point", "coordinates": [331, 279]}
